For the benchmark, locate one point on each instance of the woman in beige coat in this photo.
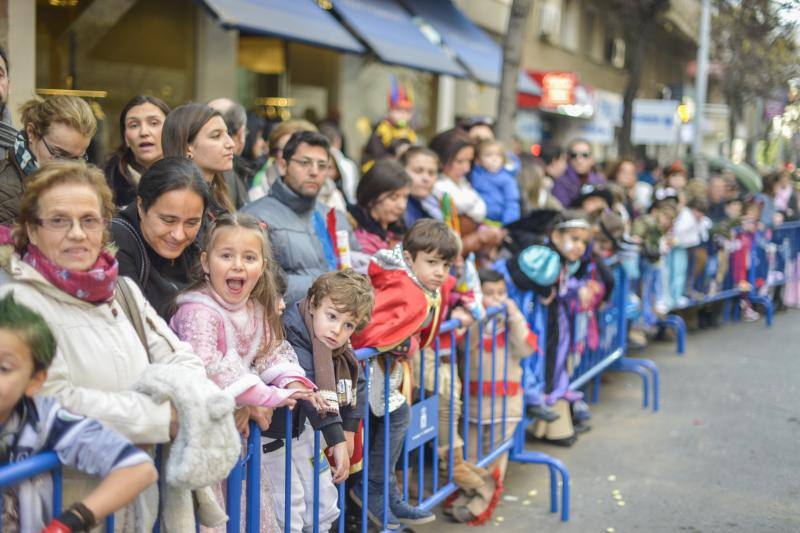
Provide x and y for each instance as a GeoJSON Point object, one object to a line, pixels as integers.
{"type": "Point", "coordinates": [59, 268]}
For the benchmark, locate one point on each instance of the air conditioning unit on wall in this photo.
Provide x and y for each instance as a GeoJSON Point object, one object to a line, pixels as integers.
{"type": "Point", "coordinates": [550, 20]}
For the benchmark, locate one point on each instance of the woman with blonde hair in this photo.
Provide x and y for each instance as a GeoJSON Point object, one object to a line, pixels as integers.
{"type": "Point", "coordinates": [56, 127]}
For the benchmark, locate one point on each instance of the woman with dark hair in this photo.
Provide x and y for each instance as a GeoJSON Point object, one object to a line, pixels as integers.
{"type": "Point", "coordinates": [456, 152]}
{"type": "Point", "coordinates": [197, 132]}
{"type": "Point", "coordinates": [381, 199]}
{"type": "Point", "coordinates": [140, 124]}
{"type": "Point", "coordinates": [155, 235]}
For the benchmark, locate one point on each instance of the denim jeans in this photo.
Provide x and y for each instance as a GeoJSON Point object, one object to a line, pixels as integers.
{"type": "Point", "coordinates": [398, 425]}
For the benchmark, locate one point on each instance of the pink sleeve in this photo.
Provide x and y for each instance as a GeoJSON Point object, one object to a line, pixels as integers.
{"type": "Point", "coordinates": [263, 395]}
{"type": "Point", "coordinates": [202, 328]}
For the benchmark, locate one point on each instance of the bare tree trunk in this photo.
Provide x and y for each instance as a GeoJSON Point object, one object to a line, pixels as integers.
{"type": "Point", "coordinates": [635, 64]}
{"type": "Point", "coordinates": [512, 55]}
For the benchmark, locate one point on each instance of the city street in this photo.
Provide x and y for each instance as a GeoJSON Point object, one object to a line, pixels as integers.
{"type": "Point", "coordinates": [721, 455]}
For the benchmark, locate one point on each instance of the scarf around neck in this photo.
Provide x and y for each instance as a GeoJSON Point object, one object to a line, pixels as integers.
{"type": "Point", "coordinates": [22, 154]}
{"type": "Point", "coordinates": [332, 368]}
{"type": "Point", "coordinates": [96, 285]}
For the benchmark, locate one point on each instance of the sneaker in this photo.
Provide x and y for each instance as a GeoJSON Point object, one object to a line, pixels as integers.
{"type": "Point", "coordinates": [541, 412]}
{"type": "Point", "coordinates": [580, 411]}
{"type": "Point", "coordinates": [408, 514]}
{"type": "Point", "coordinates": [749, 314]}
{"type": "Point", "coordinates": [375, 509]}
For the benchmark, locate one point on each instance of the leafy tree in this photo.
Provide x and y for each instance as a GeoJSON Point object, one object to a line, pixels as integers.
{"type": "Point", "coordinates": [640, 20]}
{"type": "Point", "coordinates": [755, 45]}
{"type": "Point", "coordinates": [512, 55]}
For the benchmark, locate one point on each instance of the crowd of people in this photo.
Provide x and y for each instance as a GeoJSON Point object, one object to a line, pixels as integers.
{"type": "Point", "coordinates": [217, 270]}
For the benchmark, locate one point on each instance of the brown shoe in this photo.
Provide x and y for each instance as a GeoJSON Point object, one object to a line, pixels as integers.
{"type": "Point", "coordinates": [463, 475]}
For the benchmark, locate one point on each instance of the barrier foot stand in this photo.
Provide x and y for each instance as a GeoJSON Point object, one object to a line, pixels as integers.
{"type": "Point", "coordinates": [629, 365]}
{"type": "Point", "coordinates": [596, 389]}
{"type": "Point", "coordinates": [769, 309]}
{"type": "Point", "coordinates": [520, 455]}
{"type": "Point", "coordinates": [655, 375]}
{"type": "Point", "coordinates": [677, 325]}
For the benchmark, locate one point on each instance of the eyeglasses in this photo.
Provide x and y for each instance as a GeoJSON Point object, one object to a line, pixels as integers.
{"type": "Point", "coordinates": [582, 155]}
{"type": "Point", "coordinates": [58, 153]}
{"type": "Point", "coordinates": [64, 224]}
{"type": "Point", "coordinates": [307, 164]}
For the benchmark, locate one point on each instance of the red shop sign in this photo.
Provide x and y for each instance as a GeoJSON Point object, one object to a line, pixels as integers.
{"type": "Point", "coordinates": [558, 88]}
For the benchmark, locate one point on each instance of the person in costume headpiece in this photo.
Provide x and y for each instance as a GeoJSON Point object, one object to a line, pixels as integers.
{"type": "Point", "coordinates": [394, 128]}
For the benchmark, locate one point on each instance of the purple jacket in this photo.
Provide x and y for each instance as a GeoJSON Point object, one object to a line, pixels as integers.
{"type": "Point", "coordinates": [567, 188]}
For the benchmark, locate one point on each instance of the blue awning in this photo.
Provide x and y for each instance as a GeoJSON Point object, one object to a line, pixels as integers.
{"type": "Point", "coordinates": [295, 20]}
{"type": "Point", "coordinates": [388, 29]}
{"type": "Point", "coordinates": [476, 50]}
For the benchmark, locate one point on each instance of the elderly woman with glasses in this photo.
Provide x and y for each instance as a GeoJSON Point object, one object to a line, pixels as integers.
{"type": "Point", "coordinates": [56, 262]}
{"type": "Point", "coordinates": [57, 127]}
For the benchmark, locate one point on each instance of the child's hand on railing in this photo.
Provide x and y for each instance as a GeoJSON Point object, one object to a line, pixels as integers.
{"type": "Point", "coordinates": [463, 316]}
{"type": "Point", "coordinates": [341, 457]}
{"type": "Point", "coordinates": [512, 307]}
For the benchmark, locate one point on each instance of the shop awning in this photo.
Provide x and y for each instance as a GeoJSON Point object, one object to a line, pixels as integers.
{"type": "Point", "coordinates": [390, 32]}
{"type": "Point", "coordinates": [476, 50]}
{"type": "Point", "coordinates": [298, 20]}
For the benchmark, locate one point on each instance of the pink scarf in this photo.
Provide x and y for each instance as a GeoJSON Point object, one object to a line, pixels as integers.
{"type": "Point", "coordinates": [96, 285]}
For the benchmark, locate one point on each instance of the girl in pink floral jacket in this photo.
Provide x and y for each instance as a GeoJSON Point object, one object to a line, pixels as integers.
{"type": "Point", "coordinates": [232, 320]}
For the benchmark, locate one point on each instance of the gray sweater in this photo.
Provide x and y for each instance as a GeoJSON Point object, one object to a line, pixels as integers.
{"type": "Point", "coordinates": [289, 218]}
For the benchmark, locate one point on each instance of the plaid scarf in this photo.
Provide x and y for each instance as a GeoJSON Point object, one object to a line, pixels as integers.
{"type": "Point", "coordinates": [25, 159]}
{"type": "Point", "coordinates": [333, 369]}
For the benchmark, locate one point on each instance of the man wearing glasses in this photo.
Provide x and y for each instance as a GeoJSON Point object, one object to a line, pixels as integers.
{"type": "Point", "coordinates": [580, 164]}
{"type": "Point", "coordinates": [297, 222]}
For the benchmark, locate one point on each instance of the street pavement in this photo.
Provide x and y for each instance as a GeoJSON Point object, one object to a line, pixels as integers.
{"type": "Point", "coordinates": [722, 455]}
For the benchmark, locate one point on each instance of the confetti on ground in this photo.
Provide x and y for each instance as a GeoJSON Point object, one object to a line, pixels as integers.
{"type": "Point", "coordinates": [615, 491]}
{"type": "Point", "coordinates": [510, 498]}
{"type": "Point", "coordinates": [617, 496]}
{"type": "Point", "coordinates": [610, 530]}
{"type": "Point", "coordinates": [499, 519]}
{"type": "Point", "coordinates": [526, 502]}
{"type": "Point", "coordinates": [612, 477]}
{"type": "Point", "coordinates": [533, 493]}
{"type": "Point", "coordinates": [621, 503]}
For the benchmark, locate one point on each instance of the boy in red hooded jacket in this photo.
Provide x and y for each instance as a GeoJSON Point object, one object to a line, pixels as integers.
{"type": "Point", "coordinates": [412, 286]}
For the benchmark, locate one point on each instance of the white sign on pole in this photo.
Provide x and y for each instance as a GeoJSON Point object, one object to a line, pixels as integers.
{"type": "Point", "coordinates": [607, 115]}
{"type": "Point", "coordinates": [654, 121]}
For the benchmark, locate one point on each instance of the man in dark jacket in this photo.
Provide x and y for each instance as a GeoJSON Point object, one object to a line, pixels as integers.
{"type": "Point", "coordinates": [299, 226]}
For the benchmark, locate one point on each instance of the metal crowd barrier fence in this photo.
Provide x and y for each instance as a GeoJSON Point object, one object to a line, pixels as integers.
{"type": "Point", "coordinates": [422, 439]}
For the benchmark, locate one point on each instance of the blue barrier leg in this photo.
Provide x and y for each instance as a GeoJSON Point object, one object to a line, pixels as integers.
{"type": "Point", "coordinates": [315, 526]}
{"type": "Point", "coordinates": [553, 489]}
{"type": "Point", "coordinates": [677, 324]}
{"type": "Point", "coordinates": [596, 389]}
{"type": "Point", "coordinates": [287, 501]}
{"type": "Point", "coordinates": [254, 480]}
{"type": "Point", "coordinates": [627, 364]}
{"type": "Point", "coordinates": [768, 307]}
{"type": "Point", "coordinates": [233, 498]}
{"type": "Point", "coordinates": [647, 364]}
